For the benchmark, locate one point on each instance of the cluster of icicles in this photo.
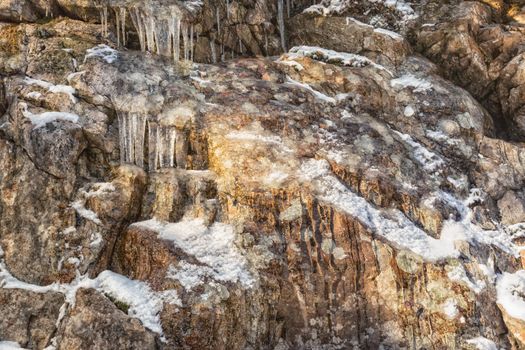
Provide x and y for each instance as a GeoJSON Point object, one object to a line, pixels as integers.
{"type": "Point", "coordinates": [165, 146]}
{"type": "Point", "coordinates": [164, 32]}
{"type": "Point", "coordinates": [162, 36]}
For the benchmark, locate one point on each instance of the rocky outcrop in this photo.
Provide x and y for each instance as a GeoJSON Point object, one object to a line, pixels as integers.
{"type": "Point", "coordinates": [343, 194]}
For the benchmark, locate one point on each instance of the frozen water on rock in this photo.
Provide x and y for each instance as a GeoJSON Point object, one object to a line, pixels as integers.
{"type": "Point", "coordinates": [55, 89]}
{"type": "Point", "coordinates": [333, 57]}
{"type": "Point", "coordinates": [511, 293]}
{"type": "Point", "coordinates": [144, 303]}
{"type": "Point", "coordinates": [102, 51]}
{"type": "Point", "coordinates": [212, 246]}
{"type": "Point", "coordinates": [42, 119]}
{"type": "Point", "coordinates": [161, 27]}
{"type": "Point", "coordinates": [482, 343]}
{"type": "Point", "coordinates": [9, 345]}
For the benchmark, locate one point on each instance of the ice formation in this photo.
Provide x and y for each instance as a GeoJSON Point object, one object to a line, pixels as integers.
{"type": "Point", "coordinates": [161, 29]}
{"type": "Point", "coordinates": [144, 137]}
{"type": "Point", "coordinates": [169, 29]}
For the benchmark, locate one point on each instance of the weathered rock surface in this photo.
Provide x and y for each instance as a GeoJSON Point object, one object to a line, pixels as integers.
{"type": "Point", "coordinates": [345, 194]}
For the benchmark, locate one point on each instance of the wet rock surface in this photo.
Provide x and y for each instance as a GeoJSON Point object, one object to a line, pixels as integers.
{"type": "Point", "coordinates": [361, 189]}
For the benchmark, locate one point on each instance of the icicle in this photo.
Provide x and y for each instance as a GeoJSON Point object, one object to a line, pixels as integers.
{"type": "Point", "coordinates": [139, 131]}
{"type": "Point", "coordinates": [152, 145]}
{"type": "Point", "coordinates": [228, 9]}
{"type": "Point", "coordinates": [117, 20]}
{"type": "Point", "coordinates": [104, 21]}
{"type": "Point", "coordinates": [185, 41]}
{"type": "Point", "coordinates": [191, 42]}
{"type": "Point", "coordinates": [122, 136]}
{"type": "Point", "coordinates": [265, 42]}
{"type": "Point", "coordinates": [132, 130]}
{"type": "Point", "coordinates": [288, 8]}
{"type": "Point", "coordinates": [176, 39]}
{"type": "Point", "coordinates": [150, 32]}
{"type": "Point", "coordinates": [218, 19]}
{"type": "Point", "coordinates": [172, 140]}
{"type": "Point", "coordinates": [136, 18]}
{"type": "Point", "coordinates": [123, 24]}
{"type": "Point", "coordinates": [158, 146]}
{"type": "Point", "coordinates": [280, 20]}
{"type": "Point", "coordinates": [213, 53]}
{"type": "Point", "coordinates": [181, 149]}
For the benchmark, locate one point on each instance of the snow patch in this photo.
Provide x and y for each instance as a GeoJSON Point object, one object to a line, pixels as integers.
{"type": "Point", "coordinates": [40, 120]}
{"type": "Point", "coordinates": [102, 51]}
{"type": "Point", "coordinates": [389, 33]}
{"type": "Point", "coordinates": [450, 308]}
{"type": "Point", "coordinates": [458, 274]}
{"type": "Point", "coordinates": [510, 289]}
{"type": "Point", "coordinates": [212, 246]}
{"type": "Point", "coordinates": [410, 81]}
{"type": "Point", "coordinates": [317, 94]}
{"type": "Point", "coordinates": [482, 343]}
{"type": "Point", "coordinates": [88, 214]}
{"type": "Point", "coordinates": [9, 345]}
{"type": "Point", "coordinates": [55, 89]}
{"type": "Point", "coordinates": [429, 160]}
{"type": "Point", "coordinates": [393, 225]}
{"type": "Point", "coordinates": [331, 56]}
{"type": "Point", "coordinates": [144, 303]}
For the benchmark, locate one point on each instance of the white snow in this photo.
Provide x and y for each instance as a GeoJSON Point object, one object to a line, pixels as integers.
{"type": "Point", "coordinates": [410, 81]}
{"type": "Point", "coordinates": [9, 345]}
{"type": "Point", "coordinates": [458, 274]}
{"type": "Point", "coordinates": [34, 95]}
{"type": "Point", "coordinates": [88, 214]}
{"type": "Point", "coordinates": [190, 275]}
{"type": "Point", "coordinates": [409, 111]}
{"type": "Point", "coordinates": [102, 51]}
{"type": "Point", "coordinates": [393, 225]}
{"type": "Point", "coordinates": [337, 7]}
{"type": "Point", "coordinates": [450, 308]}
{"type": "Point", "coordinates": [144, 303]}
{"type": "Point", "coordinates": [359, 23]}
{"type": "Point", "coordinates": [317, 94]}
{"type": "Point", "coordinates": [331, 56]}
{"type": "Point", "coordinates": [212, 246]}
{"type": "Point", "coordinates": [40, 120]}
{"type": "Point", "coordinates": [465, 230]}
{"type": "Point", "coordinates": [430, 161]}
{"type": "Point", "coordinates": [99, 188]}
{"type": "Point", "coordinates": [390, 33]}
{"type": "Point", "coordinates": [482, 343]}
{"type": "Point", "coordinates": [55, 89]}
{"type": "Point", "coordinates": [328, 8]}
{"type": "Point", "coordinates": [510, 289]}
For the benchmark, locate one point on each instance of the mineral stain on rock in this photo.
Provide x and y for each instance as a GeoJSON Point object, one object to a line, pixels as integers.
{"type": "Point", "coordinates": [285, 174]}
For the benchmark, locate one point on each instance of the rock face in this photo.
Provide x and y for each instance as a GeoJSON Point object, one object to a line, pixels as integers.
{"type": "Point", "coordinates": [270, 175]}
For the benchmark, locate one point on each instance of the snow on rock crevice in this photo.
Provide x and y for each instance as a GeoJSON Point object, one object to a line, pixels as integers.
{"type": "Point", "coordinates": [212, 246]}
{"type": "Point", "coordinates": [393, 225]}
{"type": "Point", "coordinates": [55, 89]}
{"type": "Point", "coordinates": [9, 345]}
{"type": "Point", "coordinates": [411, 81]}
{"type": "Point", "coordinates": [511, 293]}
{"type": "Point", "coordinates": [144, 303]}
{"type": "Point", "coordinates": [396, 228]}
{"type": "Point", "coordinates": [40, 120]}
{"type": "Point", "coordinates": [103, 52]}
{"type": "Point", "coordinates": [331, 56]}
